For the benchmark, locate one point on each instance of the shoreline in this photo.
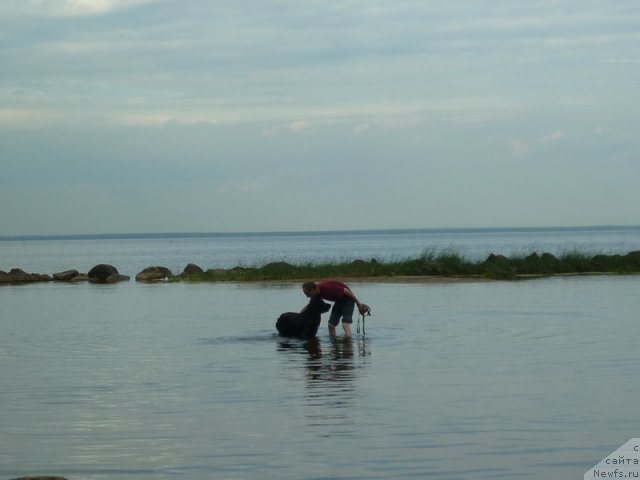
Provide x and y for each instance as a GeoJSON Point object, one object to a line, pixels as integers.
{"type": "Point", "coordinates": [445, 267]}
{"type": "Point", "coordinates": [435, 279]}
{"type": "Point", "coordinates": [391, 280]}
{"type": "Point", "coordinates": [408, 279]}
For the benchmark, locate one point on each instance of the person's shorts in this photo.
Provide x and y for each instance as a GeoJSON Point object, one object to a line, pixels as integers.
{"type": "Point", "coordinates": [342, 309]}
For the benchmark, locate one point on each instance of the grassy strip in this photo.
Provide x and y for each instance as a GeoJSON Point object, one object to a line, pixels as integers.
{"type": "Point", "coordinates": [445, 264]}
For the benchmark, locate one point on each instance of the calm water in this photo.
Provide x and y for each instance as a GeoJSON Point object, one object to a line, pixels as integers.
{"type": "Point", "coordinates": [534, 379]}
{"type": "Point", "coordinates": [225, 251]}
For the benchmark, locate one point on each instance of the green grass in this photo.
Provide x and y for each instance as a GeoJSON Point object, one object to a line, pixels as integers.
{"type": "Point", "coordinates": [430, 263]}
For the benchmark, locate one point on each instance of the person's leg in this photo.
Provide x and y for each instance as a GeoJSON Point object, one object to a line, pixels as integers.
{"type": "Point", "coordinates": [334, 319]}
{"type": "Point", "coordinates": [332, 330]}
{"type": "Point", "coordinates": [347, 329]}
{"type": "Point", "coordinates": [347, 309]}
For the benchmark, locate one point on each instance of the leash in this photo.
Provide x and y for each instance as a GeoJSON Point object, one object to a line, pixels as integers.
{"type": "Point", "coordinates": [366, 311]}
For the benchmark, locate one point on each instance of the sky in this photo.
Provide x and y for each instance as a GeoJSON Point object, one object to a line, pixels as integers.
{"type": "Point", "coordinates": [132, 116]}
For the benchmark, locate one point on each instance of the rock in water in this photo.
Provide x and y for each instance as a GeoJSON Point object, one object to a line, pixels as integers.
{"type": "Point", "coordinates": [153, 274]}
{"type": "Point", "coordinates": [66, 276]}
{"type": "Point", "coordinates": [102, 271]}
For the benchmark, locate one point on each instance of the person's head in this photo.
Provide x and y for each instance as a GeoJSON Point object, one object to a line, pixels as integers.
{"type": "Point", "coordinates": [310, 289]}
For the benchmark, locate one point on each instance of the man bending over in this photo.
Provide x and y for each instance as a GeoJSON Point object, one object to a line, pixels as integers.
{"type": "Point", "coordinates": [344, 302]}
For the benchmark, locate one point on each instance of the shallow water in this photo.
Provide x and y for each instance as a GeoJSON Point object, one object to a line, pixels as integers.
{"type": "Point", "coordinates": [532, 379]}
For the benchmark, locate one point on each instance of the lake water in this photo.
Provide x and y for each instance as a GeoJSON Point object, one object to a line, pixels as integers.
{"type": "Point", "coordinates": [130, 255]}
{"type": "Point", "coordinates": [532, 379]}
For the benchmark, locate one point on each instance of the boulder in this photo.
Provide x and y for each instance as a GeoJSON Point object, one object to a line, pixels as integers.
{"type": "Point", "coordinates": [153, 274]}
{"type": "Point", "coordinates": [192, 269]}
{"type": "Point", "coordinates": [103, 273]}
{"type": "Point", "coordinates": [16, 275]}
{"type": "Point", "coordinates": [116, 278]}
{"type": "Point", "coordinates": [66, 276]}
{"type": "Point", "coordinates": [19, 275]}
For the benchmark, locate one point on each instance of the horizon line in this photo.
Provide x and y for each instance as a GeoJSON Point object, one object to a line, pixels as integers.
{"type": "Point", "coordinates": [147, 235]}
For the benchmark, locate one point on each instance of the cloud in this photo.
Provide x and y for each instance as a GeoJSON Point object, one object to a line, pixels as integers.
{"type": "Point", "coordinates": [140, 88]}
{"type": "Point", "coordinates": [307, 61]}
{"type": "Point", "coordinates": [68, 7]}
{"type": "Point", "coordinates": [24, 118]}
{"type": "Point", "coordinates": [141, 119]}
{"type": "Point", "coordinates": [522, 148]}
{"type": "Point", "coordinates": [554, 137]}
{"type": "Point", "coordinates": [159, 119]}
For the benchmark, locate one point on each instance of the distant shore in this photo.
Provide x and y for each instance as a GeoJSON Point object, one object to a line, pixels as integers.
{"type": "Point", "coordinates": [430, 267]}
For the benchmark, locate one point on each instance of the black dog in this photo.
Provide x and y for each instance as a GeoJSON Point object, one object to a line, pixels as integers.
{"type": "Point", "coordinates": [303, 325]}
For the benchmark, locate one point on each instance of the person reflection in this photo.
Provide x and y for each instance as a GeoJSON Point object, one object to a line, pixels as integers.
{"type": "Point", "coordinates": [332, 367]}
{"type": "Point", "coordinates": [336, 366]}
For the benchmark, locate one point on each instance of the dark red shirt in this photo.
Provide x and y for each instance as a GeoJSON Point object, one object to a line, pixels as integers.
{"type": "Point", "coordinates": [331, 290]}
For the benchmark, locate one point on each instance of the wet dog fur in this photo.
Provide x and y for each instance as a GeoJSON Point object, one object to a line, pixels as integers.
{"type": "Point", "coordinates": [302, 325]}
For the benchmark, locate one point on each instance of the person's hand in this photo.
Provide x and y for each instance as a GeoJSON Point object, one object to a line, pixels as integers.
{"type": "Point", "coordinates": [364, 309]}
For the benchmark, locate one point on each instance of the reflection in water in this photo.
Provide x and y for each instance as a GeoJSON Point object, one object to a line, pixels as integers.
{"type": "Point", "coordinates": [331, 369]}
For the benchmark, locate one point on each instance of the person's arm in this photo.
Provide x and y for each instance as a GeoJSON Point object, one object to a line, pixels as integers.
{"type": "Point", "coordinates": [350, 295]}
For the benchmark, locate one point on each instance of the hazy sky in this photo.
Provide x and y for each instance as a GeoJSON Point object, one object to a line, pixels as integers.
{"type": "Point", "coordinates": [265, 115]}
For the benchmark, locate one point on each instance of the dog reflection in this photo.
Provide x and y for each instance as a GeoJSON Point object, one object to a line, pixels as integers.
{"type": "Point", "coordinates": [331, 365]}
